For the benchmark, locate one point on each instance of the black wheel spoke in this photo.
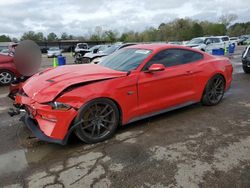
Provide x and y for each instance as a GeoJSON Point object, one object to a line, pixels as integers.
{"type": "Point", "coordinates": [98, 130]}
{"type": "Point", "coordinates": [108, 113]}
{"type": "Point", "coordinates": [107, 121]}
{"type": "Point", "coordinates": [104, 126]}
{"type": "Point", "coordinates": [93, 131]}
{"type": "Point", "coordinates": [104, 109]}
{"type": "Point", "coordinates": [86, 120]}
{"type": "Point", "coordinates": [88, 126]}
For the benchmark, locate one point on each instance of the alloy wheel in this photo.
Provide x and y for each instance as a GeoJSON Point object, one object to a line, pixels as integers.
{"type": "Point", "coordinates": [98, 120]}
{"type": "Point", "coordinates": [5, 77]}
{"type": "Point", "coordinates": [216, 90]}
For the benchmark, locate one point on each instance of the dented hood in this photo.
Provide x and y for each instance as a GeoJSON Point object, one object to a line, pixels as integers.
{"type": "Point", "coordinates": [45, 86]}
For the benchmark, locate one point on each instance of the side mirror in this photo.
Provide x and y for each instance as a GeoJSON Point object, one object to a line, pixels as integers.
{"type": "Point", "coordinates": [95, 51]}
{"type": "Point", "coordinates": [156, 68]}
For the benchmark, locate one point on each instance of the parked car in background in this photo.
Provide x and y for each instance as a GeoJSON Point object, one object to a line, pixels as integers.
{"type": "Point", "coordinates": [242, 39]}
{"type": "Point", "coordinates": [96, 58]}
{"type": "Point", "coordinates": [246, 60]}
{"type": "Point", "coordinates": [8, 69]}
{"type": "Point", "coordinates": [225, 40]}
{"type": "Point", "coordinates": [131, 84]}
{"type": "Point", "coordinates": [54, 52]}
{"type": "Point", "coordinates": [175, 42]}
{"type": "Point", "coordinates": [206, 44]}
{"type": "Point", "coordinates": [234, 40]}
{"type": "Point", "coordinates": [5, 51]}
{"type": "Point", "coordinates": [80, 50]}
{"type": "Point", "coordinates": [97, 49]}
{"type": "Point", "coordinates": [81, 47]}
{"type": "Point", "coordinates": [247, 42]}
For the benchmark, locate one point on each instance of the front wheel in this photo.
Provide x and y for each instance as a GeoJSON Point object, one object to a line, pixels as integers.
{"type": "Point", "coordinates": [97, 121]}
{"type": "Point", "coordinates": [214, 91]}
{"type": "Point", "coordinates": [246, 69]}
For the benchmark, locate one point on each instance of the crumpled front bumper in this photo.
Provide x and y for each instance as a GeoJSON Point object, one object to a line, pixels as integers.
{"type": "Point", "coordinates": [33, 126]}
{"type": "Point", "coordinates": [47, 124]}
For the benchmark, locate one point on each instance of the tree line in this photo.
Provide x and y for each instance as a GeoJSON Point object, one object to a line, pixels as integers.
{"type": "Point", "coordinates": [180, 29]}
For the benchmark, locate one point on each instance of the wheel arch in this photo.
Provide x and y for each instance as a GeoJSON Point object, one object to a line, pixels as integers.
{"type": "Point", "coordinates": [119, 108]}
{"type": "Point", "coordinates": [210, 77]}
{"type": "Point", "coordinates": [113, 100]}
{"type": "Point", "coordinates": [8, 70]}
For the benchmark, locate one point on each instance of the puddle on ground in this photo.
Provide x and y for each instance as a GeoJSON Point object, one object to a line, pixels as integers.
{"type": "Point", "coordinates": [20, 160]}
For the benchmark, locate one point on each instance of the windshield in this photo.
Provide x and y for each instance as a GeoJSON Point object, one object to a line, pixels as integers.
{"type": "Point", "coordinates": [125, 59]}
{"type": "Point", "coordinates": [103, 47]}
{"type": "Point", "coordinates": [196, 41]}
{"type": "Point", "coordinates": [82, 46]}
{"type": "Point", "coordinates": [94, 47]}
{"type": "Point", "coordinates": [53, 49]}
{"type": "Point", "coordinates": [111, 49]}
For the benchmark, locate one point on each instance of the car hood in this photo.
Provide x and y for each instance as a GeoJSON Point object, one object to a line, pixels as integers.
{"type": "Point", "coordinates": [46, 86]}
{"type": "Point", "coordinates": [5, 58]}
{"type": "Point", "coordinates": [92, 55]}
{"type": "Point", "coordinates": [193, 45]}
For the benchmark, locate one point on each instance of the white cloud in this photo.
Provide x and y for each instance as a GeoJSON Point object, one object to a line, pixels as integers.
{"type": "Point", "coordinates": [81, 17]}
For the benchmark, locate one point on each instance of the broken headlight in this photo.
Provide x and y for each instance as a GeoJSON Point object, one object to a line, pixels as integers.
{"type": "Point", "coordinates": [59, 106]}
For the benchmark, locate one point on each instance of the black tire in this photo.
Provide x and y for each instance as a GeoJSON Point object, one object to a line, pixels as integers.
{"type": "Point", "coordinates": [246, 69]}
{"type": "Point", "coordinates": [214, 91]}
{"type": "Point", "coordinates": [98, 120]}
{"type": "Point", "coordinates": [6, 77]}
{"type": "Point", "coordinates": [78, 58]}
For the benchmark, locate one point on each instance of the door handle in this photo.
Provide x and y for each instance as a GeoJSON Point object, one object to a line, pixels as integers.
{"type": "Point", "coordinates": [189, 72]}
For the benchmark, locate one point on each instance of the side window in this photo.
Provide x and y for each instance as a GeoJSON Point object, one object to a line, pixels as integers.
{"type": "Point", "coordinates": [225, 38]}
{"type": "Point", "coordinates": [173, 57]}
{"type": "Point", "coordinates": [216, 40]}
{"type": "Point", "coordinates": [208, 41]}
{"type": "Point", "coordinates": [187, 56]}
{"type": "Point", "coordinates": [165, 57]}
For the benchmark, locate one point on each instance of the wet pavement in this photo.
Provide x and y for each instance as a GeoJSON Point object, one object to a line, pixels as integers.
{"type": "Point", "coordinates": [196, 146]}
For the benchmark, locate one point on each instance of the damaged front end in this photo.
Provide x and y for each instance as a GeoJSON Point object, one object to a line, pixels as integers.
{"type": "Point", "coordinates": [49, 122]}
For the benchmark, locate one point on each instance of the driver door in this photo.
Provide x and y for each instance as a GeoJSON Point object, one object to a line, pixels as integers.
{"type": "Point", "coordinates": [168, 88]}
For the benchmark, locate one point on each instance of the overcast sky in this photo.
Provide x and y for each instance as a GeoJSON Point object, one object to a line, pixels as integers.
{"type": "Point", "coordinates": [81, 17]}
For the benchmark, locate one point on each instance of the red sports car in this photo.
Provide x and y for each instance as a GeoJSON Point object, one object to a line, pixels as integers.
{"type": "Point", "coordinates": [133, 83]}
{"type": "Point", "coordinates": [7, 70]}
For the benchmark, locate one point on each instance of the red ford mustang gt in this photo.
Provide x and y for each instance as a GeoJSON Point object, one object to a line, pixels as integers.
{"type": "Point", "coordinates": [133, 83]}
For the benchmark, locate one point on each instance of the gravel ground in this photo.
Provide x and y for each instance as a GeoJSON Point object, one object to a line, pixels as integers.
{"type": "Point", "coordinates": [196, 146]}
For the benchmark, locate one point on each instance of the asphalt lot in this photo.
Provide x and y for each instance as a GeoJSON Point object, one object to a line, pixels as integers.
{"type": "Point", "coordinates": [196, 146]}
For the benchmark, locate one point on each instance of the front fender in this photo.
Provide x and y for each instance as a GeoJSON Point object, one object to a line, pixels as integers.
{"type": "Point", "coordinates": [115, 89]}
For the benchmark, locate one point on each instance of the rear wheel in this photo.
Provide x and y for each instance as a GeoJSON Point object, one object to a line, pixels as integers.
{"type": "Point", "coordinates": [78, 58]}
{"type": "Point", "coordinates": [246, 69]}
{"type": "Point", "coordinates": [214, 91]}
{"type": "Point", "coordinates": [97, 120]}
{"type": "Point", "coordinates": [6, 77]}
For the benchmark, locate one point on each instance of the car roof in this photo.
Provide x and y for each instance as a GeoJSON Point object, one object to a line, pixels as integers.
{"type": "Point", "coordinates": [155, 47]}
